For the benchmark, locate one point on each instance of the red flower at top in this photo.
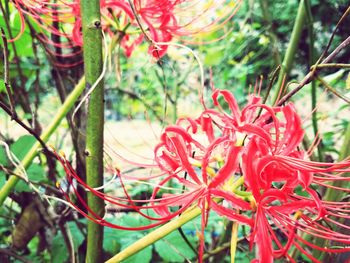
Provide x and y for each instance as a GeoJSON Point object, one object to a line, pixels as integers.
{"type": "Point", "coordinates": [161, 21]}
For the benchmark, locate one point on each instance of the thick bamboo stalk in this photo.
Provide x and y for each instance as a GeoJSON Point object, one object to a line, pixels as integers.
{"type": "Point", "coordinates": [93, 64]}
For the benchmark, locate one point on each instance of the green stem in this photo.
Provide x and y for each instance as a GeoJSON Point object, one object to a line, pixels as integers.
{"type": "Point", "coordinates": [156, 235]}
{"type": "Point", "coordinates": [292, 47]}
{"type": "Point", "coordinates": [313, 82]}
{"type": "Point", "coordinates": [93, 64]}
{"type": "Point", "coordinates": [27, 160]}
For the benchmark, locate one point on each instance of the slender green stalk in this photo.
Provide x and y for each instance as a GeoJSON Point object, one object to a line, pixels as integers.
{"type": "Point", "coordinates": [310, 28]}
{"type": "Point", "coordinates": [155, 235]}
{"type": "Point", "coordinates": [93, 64]}
{"type": "Point", "coordinates": [292, 47]}
{"type": "Point", "coordinates": [27, 160]}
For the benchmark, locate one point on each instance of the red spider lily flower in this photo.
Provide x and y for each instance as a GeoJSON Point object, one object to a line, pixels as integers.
{"type": "Point", "coordinates": [206, 160]}
{"type": "Point", "coordinates": [246, 121]}
{"type": "Point", "coordinates": [180, 153]}
{"type": "Point", "coordinates": [281, 219]}
{"type": "Point", "coordinates": [276, 171]}
{"type": "Point", "coordinates": [161, 21]}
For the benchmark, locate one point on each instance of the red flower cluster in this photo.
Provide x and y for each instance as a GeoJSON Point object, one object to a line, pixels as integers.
{"type": "Point", "coordinates": [246, 165]}
{"type": "Point", "coordinates": [160, 20]}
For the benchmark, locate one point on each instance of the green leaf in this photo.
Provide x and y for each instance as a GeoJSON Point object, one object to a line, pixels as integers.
{"type": "Point", "coordinates": [59, 250]}
{"type": "Point", "coordinates": [144, 256]}
{"type": "Point", "coordinates": [3, 157]}
{"type": "Point", "coordinates": [77, 236]}
{"type": "Point", "coordinates": [173, 248]}
{"type": "Point", "coordinates": [36, 173]}
{"type": "Point", "coordinates": [133, 220]}
{"type": "Point", "coordinates": [112, 239]}
{"type": "Point", "coordinates": [2, 179]}
{"type": "Point", "coordinates": [242, 257]}
{"type": "Point", "coordinates": [33, 246]}
{"type": "Point", "coordinates": [130, 220]}
{"type": "Point", "coordinates": [24, 43]}
{"type": "Point", "coordinates": [22, 186]}
{"type": "Point", "coordinates": [22, 146]}
{"type": "Point", "coordinates": [2, 83]}
{"type": "Point", "coordinates": [110, 242]}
